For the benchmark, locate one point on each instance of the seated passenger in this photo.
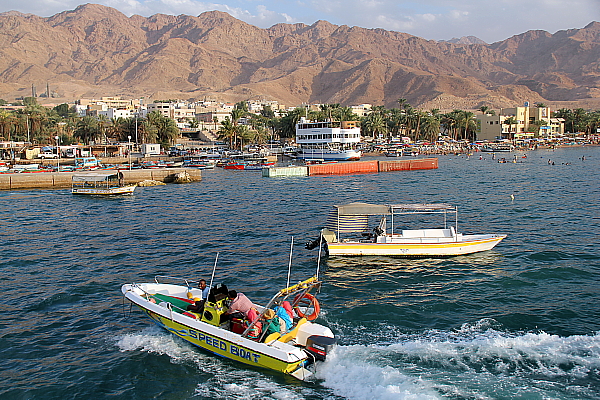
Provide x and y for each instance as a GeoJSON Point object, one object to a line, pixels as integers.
{"type": "Point", "coordinates": [254, 332]}
{"type": "Point", "coordinates": [273, 323]}
{"type": "Point", "coordinates": [239, 307]}
{"type": "Point", "coordinates": [198, 306]}
{"type": "Point", "coordinates": [282, 313]}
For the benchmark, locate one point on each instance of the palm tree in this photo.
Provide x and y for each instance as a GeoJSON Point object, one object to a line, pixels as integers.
{"type": "Point", "coordinates": [87, 129]}
{"type": "Point", "coordinates": [7, 120]}
{"type": "Point", "coordinates": [346, 114]}
{"type": "Point", "coordinates": [102, 124]}
{"type": "Point", "coordinates": [286, 126]}
{"type": "Point", "coordinates": [450, 123]}
{"type": "Point", "coordinates": [115, 128]}
{"type": "Point", "coordinates": [510, 121]}
{"type": "Point", "coordinates": [375, 124]}
{"type": "Point", "coordinates": [431, 127]}
{"type": "Point", "coordinates": [403, 103]}
{"type": "Point", "coordinates": [227, 131]}
{"type": "Point", "coordinates": [467, 120]}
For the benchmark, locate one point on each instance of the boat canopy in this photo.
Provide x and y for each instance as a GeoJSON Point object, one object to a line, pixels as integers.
{"type": "Point", "coordinates": [354, 217]}
{"type": "Point", "coordinates": [376, 209]}
{"type": "Point", "coordinates": [94, 177]}
{"type": "Point", "coordinates": [362, 209]}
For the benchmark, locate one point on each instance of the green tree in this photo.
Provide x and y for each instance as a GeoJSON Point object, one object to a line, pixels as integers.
{"type": "Point", "coordinates": [267, 112]}
{"type": "Point", "coordinates": [431, 126]}
{"type": "Point", "coordinates": [7, 122]}
{"type": "Point", "coordinates": [64, 110]}
{"type": "Point", "coordinates": [30, 101]}
{"type": "Point", "coordinates": [375, 125]}
{"type": "Point", "coordinates": [87, 129]}
{"type": "Point", "coordinates": [510, 121]}
{"type": "Point", "coordinates": [227, 131]}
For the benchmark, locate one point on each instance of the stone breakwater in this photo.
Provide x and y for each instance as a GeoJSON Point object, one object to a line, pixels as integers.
{"type": "Point", "coordinates": [63, 179]}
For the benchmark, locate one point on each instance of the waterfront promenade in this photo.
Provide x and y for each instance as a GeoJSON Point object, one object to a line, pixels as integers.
{"type": "Point", "coordinates": [63, 179]}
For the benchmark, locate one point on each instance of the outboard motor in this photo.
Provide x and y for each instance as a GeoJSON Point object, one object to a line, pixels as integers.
{"type": "Point", "coordinates": [313, 244]}
{"type": "Point", "coordinates": [320, 346]}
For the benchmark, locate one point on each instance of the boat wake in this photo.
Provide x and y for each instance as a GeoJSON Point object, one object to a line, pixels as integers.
{"type": "Point", "coordinates": [217, 378]}
{"type": "Point", "coordinates": [475, 362]}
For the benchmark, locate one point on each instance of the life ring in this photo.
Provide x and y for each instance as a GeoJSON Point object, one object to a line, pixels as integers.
{"type": "Point", "coordinates": [307, 300]}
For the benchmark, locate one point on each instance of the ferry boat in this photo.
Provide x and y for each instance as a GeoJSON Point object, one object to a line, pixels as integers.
{"type": "Point", "coordinates": [362, 229]}
{"type": "Point", "coordinates": [100, 184]}
{"type": "Point", "coordinates": [293, 353]}
{"type": "Point", "coordinates": [330, 141]}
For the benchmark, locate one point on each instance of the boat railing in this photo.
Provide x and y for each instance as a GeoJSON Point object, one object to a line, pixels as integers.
{"type": "Point", "coordinates": [188, 282]}
{"type": "Point", "coordinates": [300, 289]}
{"type": "Point", "coordinates": [168, 306]}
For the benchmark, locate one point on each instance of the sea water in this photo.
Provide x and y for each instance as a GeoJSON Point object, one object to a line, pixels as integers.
{"type": "Point", "coordinates": [519, 322]}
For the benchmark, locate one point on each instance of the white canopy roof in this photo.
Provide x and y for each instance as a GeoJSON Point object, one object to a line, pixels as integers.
{"type": "Point", "coordinates": [94, 176]}
{"type": "Point", "coordinates": [376, 209]}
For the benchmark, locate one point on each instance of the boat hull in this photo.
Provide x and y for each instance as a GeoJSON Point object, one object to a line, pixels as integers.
{"type": "Point", "coordinates": [119, 191]}
{"type": "Point", "coordinates": [278, 356]}
{"type": "Point", "coordinates": [221, 345]}
{"type": "Point", "coordinates": [329, 155]}
{"type": "Point", "coordinates": [414, 248]}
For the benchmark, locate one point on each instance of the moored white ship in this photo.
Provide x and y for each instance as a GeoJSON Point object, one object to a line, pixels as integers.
{"type": "Point", "coordinates": [329, 140]}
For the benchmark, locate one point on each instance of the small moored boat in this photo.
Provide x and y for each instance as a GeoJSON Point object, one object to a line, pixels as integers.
{"type": "Point", "coordinates": [100, 184]}
{"type": "Point", "coordinates": [361, 229]}
{"type": "Point", "coordinates": [294, 353]}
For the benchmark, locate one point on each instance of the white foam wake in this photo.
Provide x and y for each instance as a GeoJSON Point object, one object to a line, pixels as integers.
{"type": "Point", "coordinates": [350, 375]}
{"type": "Point", "coordinates": [473, 362]}
{"type": "Point", "coordinates": [218, 378]}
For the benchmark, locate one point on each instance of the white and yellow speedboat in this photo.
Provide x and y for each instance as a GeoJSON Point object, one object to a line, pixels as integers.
{"type": "Point", "coordinates": [361, 229]}
{"type": "Point", "coordinates": [293, 353]}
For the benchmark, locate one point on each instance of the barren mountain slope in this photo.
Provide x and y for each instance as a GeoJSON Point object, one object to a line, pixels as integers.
{"type": "Point", "coordinates": [96, 50]}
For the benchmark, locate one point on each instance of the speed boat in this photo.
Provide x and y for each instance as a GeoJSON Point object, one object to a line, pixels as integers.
{"type": "Point", "coordinates": [294, 353]}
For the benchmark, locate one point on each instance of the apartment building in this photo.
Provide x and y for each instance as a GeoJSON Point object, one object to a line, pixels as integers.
{"type": "Point", "coordinates": [492, 127]}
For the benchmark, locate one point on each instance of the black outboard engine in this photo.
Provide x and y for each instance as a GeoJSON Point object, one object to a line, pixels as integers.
{"type": "Point", "coordinates": [320, 346]}
{"type": "Point", "coordinates": [313, 244]}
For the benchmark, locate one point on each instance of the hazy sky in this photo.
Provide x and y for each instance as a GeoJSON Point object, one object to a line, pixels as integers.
{"type": "Point", "coordinates": [490, 21]}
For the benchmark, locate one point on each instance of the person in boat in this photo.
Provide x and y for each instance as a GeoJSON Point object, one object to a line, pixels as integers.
{"type": "Point", "coordinates": [239, 306]}
{"type": "Point", "coordinates": [198, 306]}
{"type": "Point", "coordinates": [284, 311]}
{"type": "Point", "coordinates": [272, 324]}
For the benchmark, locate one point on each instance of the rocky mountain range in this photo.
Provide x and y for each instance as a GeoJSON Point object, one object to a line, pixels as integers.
{"type": "Point", "coordinates": [97, 51]}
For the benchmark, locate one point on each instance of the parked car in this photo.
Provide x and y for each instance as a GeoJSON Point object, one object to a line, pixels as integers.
{"type": "Point", "coordinates": [47, 155]}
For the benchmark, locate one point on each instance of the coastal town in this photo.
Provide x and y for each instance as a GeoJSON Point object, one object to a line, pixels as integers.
{"type": "Point", "coordinates": [38, 136]}
{"type": "Point", "coordinates": [300, 200]}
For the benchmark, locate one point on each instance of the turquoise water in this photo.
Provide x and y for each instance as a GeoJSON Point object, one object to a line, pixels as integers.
{"type": "Point", "coordinates": [519, 322]}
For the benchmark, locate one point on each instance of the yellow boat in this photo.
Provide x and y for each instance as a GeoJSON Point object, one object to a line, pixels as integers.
{"type": "Point", "coordinates": [362, 229]}
{"type": "Point", "coordinates": [294, 353]}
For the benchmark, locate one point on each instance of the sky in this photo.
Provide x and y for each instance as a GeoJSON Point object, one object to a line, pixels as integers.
{"type": "Point", "coordinates": [490, 21]}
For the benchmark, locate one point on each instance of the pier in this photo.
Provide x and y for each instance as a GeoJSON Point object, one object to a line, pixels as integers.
{"type": "Point", "coordinates": [49, 180]}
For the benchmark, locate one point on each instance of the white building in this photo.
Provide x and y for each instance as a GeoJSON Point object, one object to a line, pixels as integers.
{"type": "Point", "coordinates": [117, 113]}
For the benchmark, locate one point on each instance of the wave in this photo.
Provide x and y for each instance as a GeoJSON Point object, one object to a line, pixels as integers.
{"type": "Point", "coordinates": [475, 362]}
{"type": "Point", "coordinates": [218, 378]}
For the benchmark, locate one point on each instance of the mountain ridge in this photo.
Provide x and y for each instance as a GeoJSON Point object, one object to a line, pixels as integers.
{"type": "Point", "coordinates": [95, 50]}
